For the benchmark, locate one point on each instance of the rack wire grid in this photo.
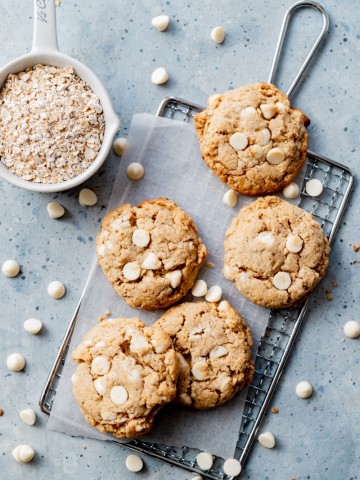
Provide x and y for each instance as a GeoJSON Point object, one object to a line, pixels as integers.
{"type": "Point", "coordinates": [282, 328]}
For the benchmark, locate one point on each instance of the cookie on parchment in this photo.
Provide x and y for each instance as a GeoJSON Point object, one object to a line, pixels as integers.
{"type": "Point", "coordinates": [213, 345]}
{"type": "Point", "coordinates": [150, 253]}
{"type": "Point", "coordinates": [252, 138]}
{"type": "Point", "coordinates": [276, 253]}
{"type": "Point", "coordinates": [126, 372]}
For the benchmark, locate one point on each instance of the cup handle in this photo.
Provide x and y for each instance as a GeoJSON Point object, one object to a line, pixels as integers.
{"type": "Point", "coordinates": [44, 36]}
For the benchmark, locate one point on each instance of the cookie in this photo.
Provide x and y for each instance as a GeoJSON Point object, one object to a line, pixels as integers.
{"type": "Point", "coordinates": [126, 372]}
{"type": "Point", "coordinates": [213, 345]}
{"type": "Point", "coordinates": [253, 139]}
{"type": "Point", "coordinates": [275, 253]}
{"type": "Point", "coordinates": [150, 253]}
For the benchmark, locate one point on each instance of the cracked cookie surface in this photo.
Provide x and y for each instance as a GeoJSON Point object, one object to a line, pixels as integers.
{"type": "Point", "coordinates": [275, 253]}
{"type": "Point", "coordinates": [150, 253]}
{"type": "Point", "coordinates": [270, 142]}
{"type": "Point", "coordinates": [213, 345]}
{"type": "Point", "coordinates": [126, 372]}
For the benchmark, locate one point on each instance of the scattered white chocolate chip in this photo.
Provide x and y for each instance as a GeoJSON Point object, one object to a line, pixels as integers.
{"type": "Point", "coordinates": [294, 243]}
{"type": "Point", "coordinates": [304, 389]}
{"type": "Point", "coordinates": [267, 440]}
{"type": "Point", "coordinates": [56, 289]}
{"type": "Point", "coordinates": [199, 288]}
{"type": "Point", "coordinates": [213, 294]}
{"type": "Point", "coordinates": [28, 416]}
{"type": "Point", "coordinates": [135, 171]}
{"type": "Point", "coordinates": [218, 352]}
{"type": "Point", "coordinates": [232, 467]}
{"type": "Point", "coordinates": [268, 110]}
{"type": "Point", "coordinates": [131, 271]}
{"type": "Point", "coordinates": [204, 460]}
{"type": "Point", "coordinates": [55, 210]}
{"type": "Point", "coordinates": [100, 386]}
{"type": "Point", "coordinates": [33, 325]}
{"type": "Point", "coordinates": [174, 277]}
{"type": "Point", "coordinates": [87, 197]}
{"type": "Point", "coordinates": [134, 463]}
{"type": "Point", "coordinates": [248, 113]}
{"type": "Point", "coordinates": [23, 453]}
{"type": "Point", "coordinates": [159, 76]}
{"type": "Point", "coordinates": [314, 187]}
{"type": "Point", "coordinates": [100, 365]}
{"type": "Point", "coordinates": [264, 136]}
{"type": "Point", "coordinates": [282, 280]}
{"type": "Point", "coordinates": [238, 141]}
{"type": "Point", "coordinates": [291, 191]}
{"type": "Point", "coordinates": [266, 238]}
{"type": "Point", "coordinates": [218, 34]}
{"type": "Point", "coordinates": [119, 395]}
{"type": "Point", "coordinates": [151, 262]}
{"type": "Point", "coordinates": [275, 156]}
{"type": "Point", "coordinates": [141, 238]}
{"type": "Point", "coordinates": [160, 22]}
{"type": "Point", "coordinates": [352, 329]}
{"type": "Point", "coordinates": [119, 146]}
{"type": "Point", "coordinates": [10, 268]}
{"type": "Point", "coordinates": [200, 370]}
{"type": "Point", "coordinates": [185, 399]}
{"type": "Point", "coordinates": [230, 198]}
{"type": "Point", "coordinates": [15, 362]}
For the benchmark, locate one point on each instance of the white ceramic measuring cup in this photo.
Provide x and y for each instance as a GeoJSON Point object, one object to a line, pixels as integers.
{"type": "Point", "coordinates": [45, 50]}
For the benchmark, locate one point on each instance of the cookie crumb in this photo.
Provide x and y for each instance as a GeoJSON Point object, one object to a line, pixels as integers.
{"type": "Point", "coordinates": [1, 412]}
{"type": "Point", "coordinates": [107, 313]}
{"type": "Point", "coordinates": [209, 265]}
{"type": "Point", "coordinates": [327, 290]}
{"type": "Point", "coordinates": [274, 410]}
{"type": "Point", "coordinates": [329, 296]}
{"type": "Point", "coordinates": [101, 318]}
{"type": "Point", "coordinates": [334, 283]}
{"type": "Point", "coordinates": [356, 247]}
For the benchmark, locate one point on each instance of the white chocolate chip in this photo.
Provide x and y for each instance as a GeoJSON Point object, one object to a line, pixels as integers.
{"type": "Point", "coordinates": [174, 277]}
{"type": "Point", "coordinates": [139, 344]}
{"type": "Point", "coordinates": [232, 467]}
{"type": "Point", "coordinates": [266, 238]}
{"type": "Point", "coordinates": [294, 243]}
{"type": "Point", "coordinates": [151, 262]}
{"type": "Point", "coordinates": [199, 288]}
{"type": "Point", "coordinates": [131, 271]}
{"type": "Point", "coordinates": [15, 362]}
{"type": "Point", "coordinates": [197, 477]}
{"type": "Point", "coordinates": [263, 137]}
{"type": "Point", "coordinates": [133, 462]}
{"type": "Point", "coordinates": [56, 289]}
{"type": "Point", "coordinates": [275, 156]}
{"type": "Point", "coordinates": [282, 107]}
{"type": "Point", "coordinates": [135, 171]}
{"type": "Point", "coordinates": [10, 268]}
{"type": "Point", "coordinates": [223, 305]}
{"type": "Point", "coordinates": [101, 250]}
{"type": "Point", "coordinates": [100, 386]}
{"type": "Point", "coordinates": [267, 440]}
{"type": "Point", "coordinates": [248, 113]}
{"type": "Point", "coordinates": [119, 395]}
{"type": "Point", "coordinates": [87, 198]}
{"type": "Point", "coordinates": [291, 191]}
{"type": "Point", "coordinates": [119, 146]}
{"type": "Point", "coordinates": [28, 416]}
{"type": "Point", "coordinates": [159, 76]}
{"type": "Point", "coordinates": [23, 453]}
{"type": "Point", "coordinates": [282, 280]}
{"type": "Point", "coordinates": [200, 370]}
{"type": "Point", "coordinates": [218, 34]}
{"type": "Point", "coordinates": [185, 399]}
{"type": "Point", "coordinates": [100, 365]}
{"type": "Point", "coordinates": [108, 416]}
{"type": "Point", "coordinates": [352, 329]}
{"type": "Point", "coordinates": [314, 187]}
{"type": "Point", "coordinates": [304, 389]}
{"type": "Point", "coordinates": [73, 378]}
{"type": "Point", "coordinates": [88, 343]}
{"type": "Point", "coordinates": [183, 364]}
{"type": "Point", "coordinates": [33, 326]}
{"type": "Point", "coordinates": [141, 238]}
{"type": "Point", "coordinates": [213, 294]}
{"type": "Point", "coordinates": [160, 22]}
{"type": "Point", "coordinates": [100, 345]}
{"type": "Point", "coordinates": [238, 141]}
{"type": "Point", "coordinates": [268, 110]}
{"type": "Point", "coordinates": [218, 352]}
{"type": "Point", "coordinates": [257, 151]}
{"type": "Point", "coordinates": [55, 210]}
{"type": "Point", "coordinates": [225, 384]}
{"type": "Point", "coordinates": [230, 198]}
{"type": "Point", "coordinates": [204, 460]}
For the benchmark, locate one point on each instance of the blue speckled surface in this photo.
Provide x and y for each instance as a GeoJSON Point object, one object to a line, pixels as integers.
{"type": "Point", "coordinates": [317, 439]}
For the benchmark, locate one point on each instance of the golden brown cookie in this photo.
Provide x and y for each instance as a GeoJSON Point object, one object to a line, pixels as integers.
{"type": "Point", "coordinates": [150, 253]}
{"type": "Point", "coordinates": [126, 372]}
{"type": "Point", "coordinates": [213, 345]}
{"type": "Point", "coordinates": [275, 253]}
{"type": "Point", "coordinates": [252, 138]}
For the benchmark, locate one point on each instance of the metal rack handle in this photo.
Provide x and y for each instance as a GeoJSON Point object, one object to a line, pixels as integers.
{"type": "Point", "coordinates": [282, 36]}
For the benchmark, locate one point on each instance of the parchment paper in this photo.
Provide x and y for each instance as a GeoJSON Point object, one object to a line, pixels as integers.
{"type": "Point", "coordinates": [169, 152]}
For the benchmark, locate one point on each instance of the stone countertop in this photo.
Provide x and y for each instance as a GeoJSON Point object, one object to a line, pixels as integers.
{"type": "Point", "coordinates": [316, 439]}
